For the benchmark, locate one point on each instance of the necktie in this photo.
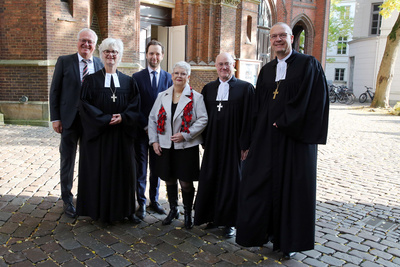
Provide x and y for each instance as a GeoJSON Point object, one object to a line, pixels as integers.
{"type": "Point", "coordinates": [85, 69]}
{"type": "Point", "coordinates": [154, 82]}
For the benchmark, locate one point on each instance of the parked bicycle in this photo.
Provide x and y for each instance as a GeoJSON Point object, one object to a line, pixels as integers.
{"type": "Point", "coordinates": [341, 95]}
{"type": "Point", "coordinates": [364, 96]}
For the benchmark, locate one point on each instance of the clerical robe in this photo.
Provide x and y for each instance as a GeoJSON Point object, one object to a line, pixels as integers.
{"type": "Point", "coordinates": [278, 192]}
{"type": "Point", "coordinates": [107, 176]}
{"type": "Point", "coordinates": [226, 134]}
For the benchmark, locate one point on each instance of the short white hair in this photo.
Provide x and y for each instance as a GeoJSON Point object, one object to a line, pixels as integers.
{"type": "Point", "coordinates": [184, 65]}
{"type": "Point", "coordinates": [114, 44]}
{"type": "Point", "coordinates": [88, 30]}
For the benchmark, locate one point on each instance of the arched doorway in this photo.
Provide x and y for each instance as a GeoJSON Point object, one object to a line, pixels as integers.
{"type": "Point", "coordinates": [303, 33]}
{"type": "Point", "coordinates": [264, 25]}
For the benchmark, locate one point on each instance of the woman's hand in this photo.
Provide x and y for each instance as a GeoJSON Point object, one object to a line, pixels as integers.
{"type": "Point", "coordinates": [176, 138]}
{"type": "Point", "coordinates": [116, 119]}
{"type": "Point", "coordinates": [157, 148]}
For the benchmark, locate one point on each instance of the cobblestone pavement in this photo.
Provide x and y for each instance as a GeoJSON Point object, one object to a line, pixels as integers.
{"type": "Point", "coordinates": [358, 208]}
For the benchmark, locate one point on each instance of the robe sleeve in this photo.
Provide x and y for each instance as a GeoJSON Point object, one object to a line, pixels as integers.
{"type": "Point", "coordinates": [131, 115]}
{"type": "Point", "coordinates": [305, 116]}
{"type": "Point", "coordinates": [247, 120]}
{"type": "Point", "coordinates": [93, 119]}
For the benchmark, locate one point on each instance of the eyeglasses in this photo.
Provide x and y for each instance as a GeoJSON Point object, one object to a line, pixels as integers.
{"type": "Point", "coordinates": [226, 64]}
{"type": "Point", "coordinates": [90, 42]}
{"type": "Point", "coordinates": [281, 36]}
{"type": "Point", "coordinates": [110, 52]}
{"type": "Point", "coordinates": [183, 74]}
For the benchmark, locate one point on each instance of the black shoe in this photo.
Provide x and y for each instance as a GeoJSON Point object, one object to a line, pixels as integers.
{"type": "Point", "coordinates": [229, 231]}
{"type": "Point", "coordinates": [141, 212]}
{"type": "Point", "coordinates": [133, 218]}
{"type": "Point", "coordinates": [69, 210]}
{"type": "Point", "coordinates": [157, 208]}
{"type": "Point", "coordinates": [173, 214]}
{"type": "Point", "coordinates": [210, 225]}
{"type": "Point", "coordinates": [288, 255]}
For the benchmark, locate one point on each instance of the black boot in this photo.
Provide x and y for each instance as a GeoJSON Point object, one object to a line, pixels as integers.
{"type": "Point", "coordinates": [187, 204]}
{"type": "Point", "coordinates": [172, 192]}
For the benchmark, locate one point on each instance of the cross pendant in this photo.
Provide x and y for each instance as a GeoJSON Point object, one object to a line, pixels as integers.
{"type": "Point", "coordinates": [113, 97]}
{"type": "Point", "coordinates": [219, 106]}
{"type": "Point", "coordinates": [276, 90]}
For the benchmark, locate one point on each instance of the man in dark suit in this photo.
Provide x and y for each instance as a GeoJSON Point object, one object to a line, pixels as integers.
{"type": "Point", "coordinates": [69, 72]}
{"type": "Point", "coordinates": [151, 81]}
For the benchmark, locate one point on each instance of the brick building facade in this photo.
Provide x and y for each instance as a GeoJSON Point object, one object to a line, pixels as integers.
{"type": "Point", "coordinates": [34, 33]}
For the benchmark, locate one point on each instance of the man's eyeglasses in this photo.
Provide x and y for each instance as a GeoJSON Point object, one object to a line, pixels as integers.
{"type": "Point", "coordinates": [281, 36]}
{"type": "Point", "coordinates": [226, 64]}
{"type": "Point", "coordinates": [90, 42]}
{"type": "Point", "coordinates": [110, 52]}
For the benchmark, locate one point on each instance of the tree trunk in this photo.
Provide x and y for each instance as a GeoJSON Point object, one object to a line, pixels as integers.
{"type": "Point", "coordinates": [386, 70]}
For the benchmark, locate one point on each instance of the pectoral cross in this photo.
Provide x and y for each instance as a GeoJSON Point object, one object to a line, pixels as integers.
{"type": "Point", "coordinates": [276, 90]}
{"type": "Point", "coordinates": [113, 97]}
{"type": "Point", "coordinates": [219, 106]}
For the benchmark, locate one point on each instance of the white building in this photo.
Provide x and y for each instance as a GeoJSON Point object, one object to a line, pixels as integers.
{"type": "Point", "coordinates": [336, 69]}
{"type": "Point", "coordinates": [367, 47]}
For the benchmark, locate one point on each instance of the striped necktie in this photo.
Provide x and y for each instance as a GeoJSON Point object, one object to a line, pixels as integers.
{"type": "Point", "coordinates": [85, 69]}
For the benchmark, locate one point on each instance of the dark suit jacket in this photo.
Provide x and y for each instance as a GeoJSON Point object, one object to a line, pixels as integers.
{"type": "Point", "coordinates": [65, 90]}
{"type": "Point", "coordinates": [147, 96]}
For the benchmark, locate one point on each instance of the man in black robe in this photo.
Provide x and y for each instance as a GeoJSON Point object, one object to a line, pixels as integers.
{"type": "Point", "coordinates": [278, 191]}
{"type": "Point", "coordinates": [226, 142]}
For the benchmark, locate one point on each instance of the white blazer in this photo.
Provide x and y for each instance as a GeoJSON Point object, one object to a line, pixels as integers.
{"type": "Point", "coordinates": [197, 125]}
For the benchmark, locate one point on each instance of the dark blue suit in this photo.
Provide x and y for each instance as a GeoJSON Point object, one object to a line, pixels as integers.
{"type": "Point", "coordinates": [65, 92]}
{"type": "Point", "coordinates": [147, 97]}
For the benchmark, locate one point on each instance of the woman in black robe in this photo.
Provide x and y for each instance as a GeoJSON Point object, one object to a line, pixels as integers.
{"type": "Point", "coordinates": [109, 109]}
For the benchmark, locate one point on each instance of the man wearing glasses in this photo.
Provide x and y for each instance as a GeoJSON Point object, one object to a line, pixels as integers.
{"type": "Point", "coordinates": [69, 73]}
{"type": "Point", "coordinates": [277, 195]}
{"type": "Point", "coordinates": [226, 142]}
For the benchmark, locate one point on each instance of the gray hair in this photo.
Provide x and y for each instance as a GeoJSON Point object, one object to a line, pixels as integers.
{"type": "Point", "coordinates": [184, 65]}
{"type": "Point", "coordinates": [114, 44]}
{"type": "Point", "coordinates": [91, 31]}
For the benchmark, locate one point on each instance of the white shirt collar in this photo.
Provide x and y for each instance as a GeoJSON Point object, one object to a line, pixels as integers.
{"type": "Point", "coordinates": [281, 68]}
{"type": "Point", "coordinates": [107, 81]}
{"type": "Point", "coordinates": [151, 70]}
{"type": "Point", "coordinates": [80, 58]}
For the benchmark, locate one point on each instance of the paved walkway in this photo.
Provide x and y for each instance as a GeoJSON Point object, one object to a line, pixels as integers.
{"type": "Point", "coordinates": [358, 208]}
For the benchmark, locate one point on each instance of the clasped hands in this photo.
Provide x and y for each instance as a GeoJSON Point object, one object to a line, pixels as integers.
{"type": "Point", "coordinates": [116, 118]}
{"type": "Point", "coordinates": [176, 138]}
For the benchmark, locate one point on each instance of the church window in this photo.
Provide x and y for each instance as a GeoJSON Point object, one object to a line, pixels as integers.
{"type": "Point", "coordinates": [376, 19]}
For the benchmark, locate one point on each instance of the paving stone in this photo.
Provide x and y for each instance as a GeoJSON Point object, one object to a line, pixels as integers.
{"type": "Point", "coordinates": [159, 256]}
{"type": "Point", "coordinates": [120, 248]}
{"type": "Point", "coordinates": [135, 256]}
{"type": "Point", "coordinates": [13, 258]}
{"type": "Point", "coordinates": [73, 263]}
{"type": "Point", "coordinates": [386, 263]}
{"type": "Point", "coordinates": [19, 246]}
{"type": "Point", "coordinates": [314, 262]}
{"type": "Point", "coordinates": [96, 262]}
{"type": "Point", "coordinates": [363, 255]}
{"type": "Point", "coordinates": [312, 253]}
{"type": "Point", "coordinates": [182, 257]}
{"type": "Point", "coordinates": [358, 246]}
{"type": "Point", "coordinates": [47, 263]}
{"type": "Point", "coordinates": [61, 256]}
{"type": "Point", "coordinates": [231, 258]}
{"type": "Point", "coordinates": [117, 261]}
{"type": "Point", "coordinates": [369, 264]}
{"type": "Point", "coordinates": [375, 245]}
{"type": "Point", "coordinates": [249, 256]}
{"type": "Point", "coordinates": [69, 243]}
{"type": "Point", "coordinates": [348, 258]}
{"type": "Point", "coordinates": [23, 264]}
{"type": "Point", "coordinates": [82, 254]}
{"type": "Point", "coordinates": [381, 254]}
{"type": "Point", "coordinates": [35, 255]}
{"type": "Point", "coordinates": [337, 246]}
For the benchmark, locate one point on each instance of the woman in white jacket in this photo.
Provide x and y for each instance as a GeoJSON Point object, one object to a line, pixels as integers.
{"type": "Point", "coordinates": [176, 121]}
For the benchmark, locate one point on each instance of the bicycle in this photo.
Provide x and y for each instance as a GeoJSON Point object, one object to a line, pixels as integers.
{"type": "Point", "coordinates": [340, 94]}
{"type": "Point", "coordinates": [364, 96]}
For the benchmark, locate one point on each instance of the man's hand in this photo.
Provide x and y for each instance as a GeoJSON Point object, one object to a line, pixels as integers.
{"type": "Point", "coordinates": [57, 126]}
{"type": "Point", "coordinates": [244, 153]}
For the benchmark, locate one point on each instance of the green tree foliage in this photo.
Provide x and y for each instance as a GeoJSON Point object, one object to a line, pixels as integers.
{"type": "Point", "coordinates": [340, 23]}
